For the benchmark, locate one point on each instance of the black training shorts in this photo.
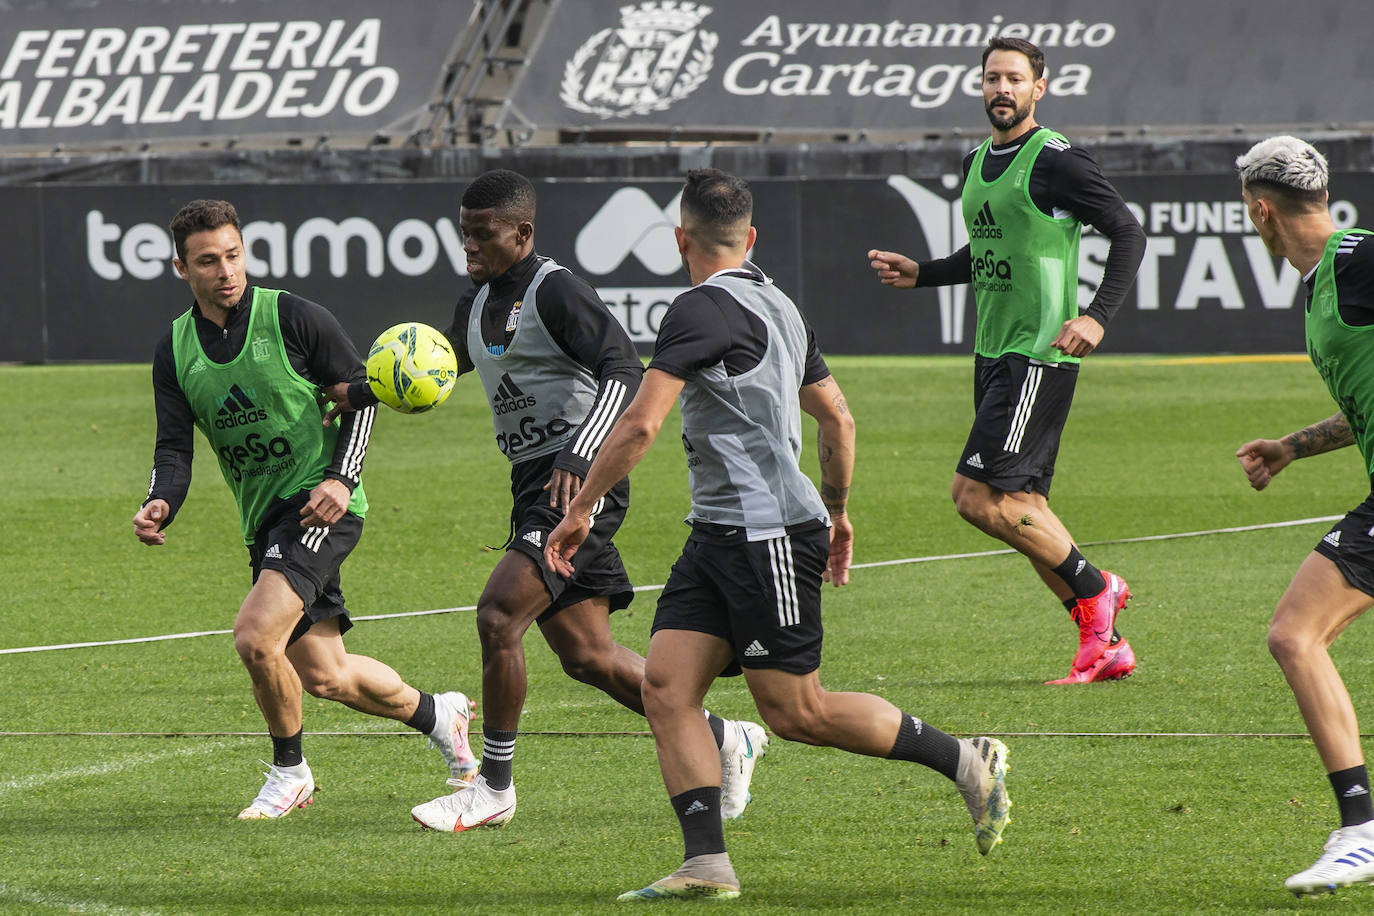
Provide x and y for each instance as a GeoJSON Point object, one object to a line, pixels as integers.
{"type": "Point", "coordinates": [597, 567]}
{"type": "Point", "coordinates": [309, 558]}
{"type": "Point", "coordinates": [1350, 545]}
{"type": "Point", "coordinates": [762, 597]}
{"type": "Point", "coordinates": [1021, 405]}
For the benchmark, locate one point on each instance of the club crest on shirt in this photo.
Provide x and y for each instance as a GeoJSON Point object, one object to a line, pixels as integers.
{"type": "Point", "coordinates": [513, 319]}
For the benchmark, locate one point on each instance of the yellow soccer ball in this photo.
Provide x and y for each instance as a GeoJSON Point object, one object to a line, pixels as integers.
{"type": "Point", "coordinates": [411, 367]}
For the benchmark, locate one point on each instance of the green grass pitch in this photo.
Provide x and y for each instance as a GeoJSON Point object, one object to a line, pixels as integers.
{"type": "Point", "coordinates": [1172, 792]}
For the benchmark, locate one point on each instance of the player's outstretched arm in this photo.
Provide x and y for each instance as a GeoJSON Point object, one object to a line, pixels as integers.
{"type": "Point", "coordinates": [894, 269]}
{"type": "Point", "coordinates": [835, 447]}
{"type": "Point", "coordinates": [1262, 459]}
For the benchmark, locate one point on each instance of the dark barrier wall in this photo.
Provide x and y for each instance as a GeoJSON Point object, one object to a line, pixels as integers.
{"type": "Point", "coordinates": [89, 274]}
{"type": "Point", "coordinates": [22, 310]}
{"type": "Point", "coordinates": [898, 65]}
{"type": "Point", "coordinates": [100, 71]}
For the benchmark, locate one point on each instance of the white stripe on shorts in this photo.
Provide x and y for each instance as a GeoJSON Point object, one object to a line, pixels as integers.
{"type": "Point", "coordinates": [1029, 388]}
{"type": "Point", "coordinates": [784, 580]}
{"type": "Point", "coordinates": [314, 537]}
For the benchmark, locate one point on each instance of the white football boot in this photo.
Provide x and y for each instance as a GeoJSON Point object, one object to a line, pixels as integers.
{"type": "Point", "coordinates": [745, 743]}
{"type": "Point", "coordinates": [1346, 859]}
{"type": "Point", "coordinates": [474, 805]}
{"type": "Point", "coordinates": [452, 713]}
{"type": "Point", "coordinates": [286, 789]}
{"type": "Point", "coordinates": [982, 780]}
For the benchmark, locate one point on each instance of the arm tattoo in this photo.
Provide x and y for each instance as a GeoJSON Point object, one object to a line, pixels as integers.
{"type": "Point", "coordinates": [1332, 433]}
{"type": "Point", "coordinates": [834, 498]}
{"type": "Point", "coordinates": [838, 402]}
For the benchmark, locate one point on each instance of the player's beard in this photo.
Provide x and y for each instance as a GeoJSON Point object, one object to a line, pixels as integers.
{"type": "Point", "coordinates": [1007, 123]}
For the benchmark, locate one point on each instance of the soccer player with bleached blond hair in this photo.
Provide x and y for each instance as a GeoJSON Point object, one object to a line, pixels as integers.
{"type": "Point", "coordinates": [1284, 184]}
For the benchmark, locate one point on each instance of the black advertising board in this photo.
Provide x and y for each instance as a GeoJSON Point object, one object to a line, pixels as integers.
{"type": "Point", "coordinates": [22, 308]}
{"type": "Point", "coordinates": [91, 276]}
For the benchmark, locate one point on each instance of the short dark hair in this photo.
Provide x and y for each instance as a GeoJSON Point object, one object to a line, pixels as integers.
{"type": "Point", "coordinates": [1020, 45]}
{"type": "Point", "coordinates": [509, 193]}
{"type": "Point", "coordinates": [719, 202]}
{"type": "Point", "coordinates": [200, 216]}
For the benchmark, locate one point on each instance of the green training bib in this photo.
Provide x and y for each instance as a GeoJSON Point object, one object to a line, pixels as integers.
{"type": "Point", "coordinates": [1025, 263]}
{"type": "Point", "coordinates": [259, 415]}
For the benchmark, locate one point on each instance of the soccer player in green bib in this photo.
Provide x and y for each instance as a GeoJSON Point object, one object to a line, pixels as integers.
{"type": "Point", "coordinates": [1284, 184]}
{"type": "Point", "coordinates": [246, 366]}
{"type": "Point", "coordinates": [1027, 195]}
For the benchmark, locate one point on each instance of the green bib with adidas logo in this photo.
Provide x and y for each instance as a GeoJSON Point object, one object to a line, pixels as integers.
{"type": "Point", "coordinates": [260, 416]}
{"type": "Point", "coordinates": [1025, 262]}
{"type": "Point", "coordinates": [1343, 355]}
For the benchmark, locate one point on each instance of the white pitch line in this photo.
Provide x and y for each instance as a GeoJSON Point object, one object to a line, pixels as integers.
{"type": "Point", "coordinates": [1136, 540]}
{"type": "Point", "coordinates": [653, 588]}
{"type": "Point", "coordinates": [25, 783]}
{"type": "Point", "coordinates": [24, 895]}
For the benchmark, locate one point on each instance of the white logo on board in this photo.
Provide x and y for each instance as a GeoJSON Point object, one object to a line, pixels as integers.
{"type": "Point", "coordinates": [942, 223]}
{"type": "Point", "coordinates": [657, 57]}
{"type": "Point", "coordinates": [630, 222]}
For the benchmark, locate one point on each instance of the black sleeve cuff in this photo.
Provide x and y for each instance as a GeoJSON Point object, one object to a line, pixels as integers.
{"type": "Point", "coordinates": [567, 461]}
{"type": "Point", "coordinates": [1100, 313]}
{"type": "Point", "coordinates": [331, 474]}
{"type": "Point", "coordinates": [173, 506]}
{"type": "Point", "coordinates": [360, 395]}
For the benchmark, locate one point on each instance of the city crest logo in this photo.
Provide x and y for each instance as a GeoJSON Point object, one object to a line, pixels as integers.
{"type": "Point", "coordinates": [657, 57]}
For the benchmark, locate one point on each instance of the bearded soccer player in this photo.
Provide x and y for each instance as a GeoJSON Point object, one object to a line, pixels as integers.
{"type": "Point", "coordinates": [557, 369]}
{"type": "Point", "coordinates": [1027, 194]}
{"type": "Point", "coordinates": [745, 595]}
{"type": "Point", "coordinates": [1284, 184]}
{"type": "Point", "coordinates": [247, 365]}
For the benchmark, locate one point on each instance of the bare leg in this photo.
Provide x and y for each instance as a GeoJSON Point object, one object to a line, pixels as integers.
{"type": "Point", "coordinates": [1318, 605]}
{"type": "Point", "coordinates": [580, 635]}
{"type": "Point", "coordinates": [798, 708]}
{"type": "Point", "coordinates": [1023, 521]}
{"type": "Point", "coordinates": [327, 670]}
{"type": "Point", "coordinates": [261, 629]}
{"type": "Point", "coordinates": [678, 672]}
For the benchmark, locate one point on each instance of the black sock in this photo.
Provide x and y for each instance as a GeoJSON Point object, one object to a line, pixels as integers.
{"type": "Point", "coordinates": [286, 752]}
{"type": "Point", "coordinates": [498, 748]}
{"type": "Point", "coordinates": [698, 811]}
{"type": "Point", "coordinates": [1078, 574]}
{"type": "Point", "coordinates": [1352, 795]}
{"type": "Point", "coordinates": [925, 744]}
{"type": "Point", "coordinates": [717, 728]}
{"type": "Point", "coordinates": [424, 719]}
